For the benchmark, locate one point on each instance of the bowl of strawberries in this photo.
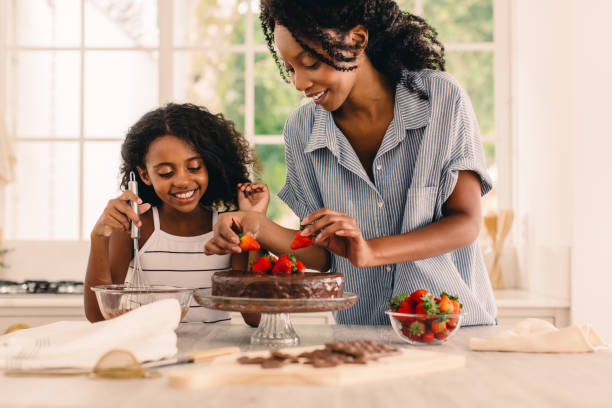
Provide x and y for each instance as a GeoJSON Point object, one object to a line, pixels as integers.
{"type": "Point", "coordinates": [421, 318]}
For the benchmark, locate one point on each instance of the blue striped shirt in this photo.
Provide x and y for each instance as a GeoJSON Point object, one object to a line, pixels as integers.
{"type": "Point", "coordinates": [415, 170]}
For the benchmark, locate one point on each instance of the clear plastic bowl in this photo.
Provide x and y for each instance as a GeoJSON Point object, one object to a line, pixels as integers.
{"type": "Point", "coordinates": [437, 328]}
{"type": "Point", "coordinates": [115, 300]}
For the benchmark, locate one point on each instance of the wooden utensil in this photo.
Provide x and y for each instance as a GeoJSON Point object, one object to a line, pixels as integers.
{"type": "Point", "coordinates": [504, 224]}
{"type": "Point", "coordinates": [490, 221]}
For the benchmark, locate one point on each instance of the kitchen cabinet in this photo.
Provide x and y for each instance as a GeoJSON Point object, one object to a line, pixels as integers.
{"type": "Point", "coordinates": [39, 309]}
{"type": "Point", "coordinates": [516, 305]}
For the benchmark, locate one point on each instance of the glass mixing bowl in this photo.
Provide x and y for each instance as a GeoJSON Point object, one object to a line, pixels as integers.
{"type": "Point", "coordinates": [114, 300]}
{"type": "Point", "coordinates": [425, 329]}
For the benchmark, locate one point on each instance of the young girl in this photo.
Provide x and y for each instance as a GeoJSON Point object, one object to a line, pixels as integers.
{"type": "Point", "coordinates": [190, 164]}
{"type": "Point", "coordinates": [385, 164]}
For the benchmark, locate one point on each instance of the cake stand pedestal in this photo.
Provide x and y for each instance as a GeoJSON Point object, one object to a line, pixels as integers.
{"type": "Point", "coordinates": [275, 327]}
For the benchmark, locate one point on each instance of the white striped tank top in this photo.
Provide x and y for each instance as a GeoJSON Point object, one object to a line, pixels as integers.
{"type": "Point", "coordinates": [180, 261]}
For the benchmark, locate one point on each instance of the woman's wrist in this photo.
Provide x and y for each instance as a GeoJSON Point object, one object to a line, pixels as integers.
{"type": "Point", "coordinates": [381, 251]}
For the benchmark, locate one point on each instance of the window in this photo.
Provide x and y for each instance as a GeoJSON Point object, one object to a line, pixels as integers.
{"type": "Point", "coordinates": [80, 72]}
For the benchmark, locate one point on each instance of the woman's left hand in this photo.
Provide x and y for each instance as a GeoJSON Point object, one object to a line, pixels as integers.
{"type": "Point", "coordinates": [253, 197]}
{"type": "Point", "coordinates": [339, 233]}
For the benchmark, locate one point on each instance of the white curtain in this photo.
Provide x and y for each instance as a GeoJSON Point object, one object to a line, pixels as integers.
{"type": "Point", "coordinates": [7, 154]}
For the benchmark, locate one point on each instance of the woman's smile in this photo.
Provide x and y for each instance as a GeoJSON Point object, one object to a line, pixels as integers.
{"type": "Point", "coordinates": [318, 98]}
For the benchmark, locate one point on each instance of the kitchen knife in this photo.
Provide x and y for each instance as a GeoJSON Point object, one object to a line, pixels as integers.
{"type": "Point", "coordinates": [193, 357]}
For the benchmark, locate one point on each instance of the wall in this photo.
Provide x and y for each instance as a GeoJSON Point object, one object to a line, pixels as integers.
{"type": "Point", "coordinates": [542, 134]}
{"type": "Point", "coordinates": [62, 260]}
{"type": "Point", "coordinates": [562, 59]}
{"type": "Point", "coordinates": [591, 146]}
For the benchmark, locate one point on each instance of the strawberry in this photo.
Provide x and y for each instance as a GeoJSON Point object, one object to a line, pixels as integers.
{"type": "Point", "coordinates": [262, 265]}
{"type": "Point", "coordinates": [420, 310]}
{"type": "Point", "coordinates": [417, 295]}
{"type": "Point", "coordinates": [248, 243]}
{"type": "Point", "coordinates": [283, 266]}
{"type": "Point", "coordinates": [456, 306]}
{"type": "Point", "coordinates": [455, 301]}
{"type": "Point", "coordinates": [405, 308]}
{"type": "Point", "coordinates": [396, 301]}
{"type": "Point", "coordinates": [427, 307]}
{"type": "Point", "coordinates": [427, 337]}
{"type": "Point", "coordinates": [438, 326]}
{"type": "Point", "coordinates": [300, 266]}
{"type": "Point", "coordinates": [301, 241]}
{"type": "Point", "coordinates": [415, 330]}
{"type": "Point", "coordinates": [443, 334]}
{"type": "Point", "coordinates": [445, 304]}
{"type": "Point", "coordinates": [283, 257]}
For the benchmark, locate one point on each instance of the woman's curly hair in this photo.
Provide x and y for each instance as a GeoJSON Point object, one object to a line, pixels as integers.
{"type": "Point", "coordinates": [397, 40]}
{"type": "Point", "coordinates": [225, 152]}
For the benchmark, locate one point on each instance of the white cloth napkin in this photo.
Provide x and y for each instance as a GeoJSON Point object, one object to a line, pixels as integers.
{"type": "Point", "coordinates": [540, 336]}
{"type": "Point", "coordinates": [148, 332]}
{"type": "Point", "coordinates": [7, 154]}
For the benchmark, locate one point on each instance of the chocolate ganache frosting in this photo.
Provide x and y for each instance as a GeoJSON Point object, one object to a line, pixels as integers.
{"type": "Point", "coordinates": [294, 286]}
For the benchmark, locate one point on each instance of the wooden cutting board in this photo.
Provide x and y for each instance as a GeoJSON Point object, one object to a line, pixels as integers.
{"type": "Point", "coordinates": [226, 371]}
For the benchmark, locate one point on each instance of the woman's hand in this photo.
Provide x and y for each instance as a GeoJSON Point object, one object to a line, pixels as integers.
{"type": "Point", "coordinates": [225, 239]}
{"type": "Point", "coordinates": [118, 214]}
{"type": "Point", "coordinates": [339, 233]}
{"type": "Point", "coordinates": [253, 197]}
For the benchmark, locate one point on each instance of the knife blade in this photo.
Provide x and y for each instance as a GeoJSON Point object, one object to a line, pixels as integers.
{"type": "Point", "coordinates": [193, 357]}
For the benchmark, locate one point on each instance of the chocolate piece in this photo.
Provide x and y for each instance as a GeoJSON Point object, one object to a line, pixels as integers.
{"type": "Point", "coordinates": [295, 286]}
{"type": "Point", "coordinates": [272, 363]}
{"type": "Point", "coordinates": [334, 354]}
{"type": "Point", "coordinates": [251, 360]}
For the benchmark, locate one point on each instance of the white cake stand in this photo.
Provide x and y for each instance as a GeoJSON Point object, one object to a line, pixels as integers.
{"type": "Point", "coordinates": [275, 327]}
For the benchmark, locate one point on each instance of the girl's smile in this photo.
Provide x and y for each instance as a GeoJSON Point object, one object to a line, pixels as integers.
{"type": "Point", "coordinates": [185, 197]}
{"type": "Point", "coordinates": [176, 172]}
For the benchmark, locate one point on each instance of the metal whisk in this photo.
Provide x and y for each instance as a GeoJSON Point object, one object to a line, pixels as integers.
{"type": "Point", "coordinates": [138, 280]}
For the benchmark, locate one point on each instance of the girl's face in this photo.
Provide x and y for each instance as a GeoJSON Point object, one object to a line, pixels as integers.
{"type": "Point", "coordinates": [176, 172]}
{"type": "Point", "coordinates": [326, 85]}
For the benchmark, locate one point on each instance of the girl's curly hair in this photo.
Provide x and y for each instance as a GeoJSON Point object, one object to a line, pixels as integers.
{"type": "Point", "coordinates": [397, 40]}
{"type": "Point", "coordinates": [225, 152]}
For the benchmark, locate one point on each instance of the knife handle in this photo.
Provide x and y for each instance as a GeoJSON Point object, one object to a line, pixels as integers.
{"type": "Point", "coordinates": [204, 355]}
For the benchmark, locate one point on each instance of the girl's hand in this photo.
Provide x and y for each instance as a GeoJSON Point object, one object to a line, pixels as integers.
{"type": "Point", "coordinates": [339, 233]}
{"type": "Point", "coordinates": [118, 214]}
{"type": "Point", "coordinates": [253, 197]}
{"type": "Point", "coordinates": [225, 239]}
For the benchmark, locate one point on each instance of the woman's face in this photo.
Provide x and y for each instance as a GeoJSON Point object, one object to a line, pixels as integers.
{"type": "Point", "coordinates": [326, 85]}
{"type": "Point", "coordinates": [176, 172]}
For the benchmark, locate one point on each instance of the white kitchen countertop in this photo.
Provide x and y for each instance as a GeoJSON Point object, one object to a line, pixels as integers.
{"type": "Point", "coordinates": [489, 379]}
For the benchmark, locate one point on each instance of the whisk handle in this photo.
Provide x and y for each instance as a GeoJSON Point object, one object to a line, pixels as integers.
{"type": "Point", "coordinates": [133, 187]}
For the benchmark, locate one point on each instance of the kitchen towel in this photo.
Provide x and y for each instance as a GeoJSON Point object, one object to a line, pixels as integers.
{"type": "Point", "coordinates": [147, 332]}
{"type": "Point", "coordinates": [7, 154]}
{"type": "Point", "coordinates": [540, 336]}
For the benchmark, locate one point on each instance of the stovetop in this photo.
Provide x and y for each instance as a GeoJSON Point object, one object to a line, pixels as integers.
{"type": "Point", "coordinates": [40, 286]}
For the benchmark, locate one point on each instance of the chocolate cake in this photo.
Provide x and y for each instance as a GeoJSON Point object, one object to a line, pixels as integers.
{"type": "Point", "coordinates": [293, 286]}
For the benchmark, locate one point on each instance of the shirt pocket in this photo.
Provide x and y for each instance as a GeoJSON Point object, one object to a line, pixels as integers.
{"type": "Point", "coordinates": [420, 207]}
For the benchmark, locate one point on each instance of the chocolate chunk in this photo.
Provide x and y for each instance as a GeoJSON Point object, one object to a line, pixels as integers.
{"type": "Point", "coordinates": [251, 360]}
{"type": "Point", "coordinates": [333, 354]}
{"type": "Point", "coordinates": [272, 363]}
